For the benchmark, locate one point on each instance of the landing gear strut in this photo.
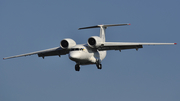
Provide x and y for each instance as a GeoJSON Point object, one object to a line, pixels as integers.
{"type": "Point", "coordinates": [77, 67]}
{"type": "Point", "coordinates": [99, 66]}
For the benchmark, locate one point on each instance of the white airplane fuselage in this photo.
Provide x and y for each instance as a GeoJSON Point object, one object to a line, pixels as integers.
{"type": "Point", "coordinates": [84, 55]}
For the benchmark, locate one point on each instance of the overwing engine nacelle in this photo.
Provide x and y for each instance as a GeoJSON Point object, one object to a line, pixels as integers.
{"type": "Point", "coordinates": [67, 43]}
{"type": "Point", "coordinates": [95, 42]}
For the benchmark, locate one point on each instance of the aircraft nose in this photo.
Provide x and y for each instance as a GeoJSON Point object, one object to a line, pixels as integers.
{"type": "Point", "coordinates": [74, 56]}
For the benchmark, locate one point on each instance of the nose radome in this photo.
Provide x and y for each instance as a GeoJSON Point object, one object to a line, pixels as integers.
{"type": "Point", "coordinates": [74, 56]}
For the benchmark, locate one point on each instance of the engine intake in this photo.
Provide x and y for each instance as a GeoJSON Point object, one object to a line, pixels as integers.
{"type": "Point", "coordinates": [67, 43]}
{"type": "Point", "coordinates": [64, 43]}
{"type": "Point", "coordinates": [91, 41]}
{"type": "Point", "coordinates": [94, 41]}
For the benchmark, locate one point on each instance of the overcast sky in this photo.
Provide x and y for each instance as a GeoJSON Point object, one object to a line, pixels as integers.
{"type": "Point", "coordinates": [149, 74]}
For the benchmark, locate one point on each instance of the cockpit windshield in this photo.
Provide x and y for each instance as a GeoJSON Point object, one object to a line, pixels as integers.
{"type": "Point", "coordinates": [77, 49]}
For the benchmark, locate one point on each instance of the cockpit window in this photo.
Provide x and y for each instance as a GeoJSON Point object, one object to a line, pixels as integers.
{"type": "Point", "coordinates": [77, 49]}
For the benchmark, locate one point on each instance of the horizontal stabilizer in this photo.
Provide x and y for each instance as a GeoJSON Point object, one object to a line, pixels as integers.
{"type": "Point", "coordinates": [89, 27]}
{"type": "Point", "coordinates": [105, 26]}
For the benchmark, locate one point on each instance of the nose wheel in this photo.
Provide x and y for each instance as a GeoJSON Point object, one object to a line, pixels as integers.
{"type": "Point", "coordinates": [77, 67]}
{"type": "Point", "coordinates": [99, 66]}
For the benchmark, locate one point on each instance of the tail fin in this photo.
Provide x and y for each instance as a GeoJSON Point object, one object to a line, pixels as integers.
{"type": "Point", "coordinates": [103, 28]}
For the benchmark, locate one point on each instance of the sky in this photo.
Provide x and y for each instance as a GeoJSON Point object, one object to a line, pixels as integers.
{"type": "Point", "coordinates": [149, 74]}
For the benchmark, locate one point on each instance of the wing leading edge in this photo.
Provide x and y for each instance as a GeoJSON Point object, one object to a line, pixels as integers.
{"type": "Point", "coordinates": [127, 45]}
{"type": "Point", "coordinates": [43, 53]}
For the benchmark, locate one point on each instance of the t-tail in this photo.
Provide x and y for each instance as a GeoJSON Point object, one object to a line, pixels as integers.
{"type": "Point", "coordinates": [103, 29]}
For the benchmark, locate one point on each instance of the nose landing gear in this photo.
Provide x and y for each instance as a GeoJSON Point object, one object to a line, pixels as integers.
{"type": "Point", "coordinates": [99, 66]}
{"type": "Point", "coordinates": [77, 67]}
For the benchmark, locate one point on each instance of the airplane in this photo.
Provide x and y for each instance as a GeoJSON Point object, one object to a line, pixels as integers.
{"type": "Point", "coordinates": [91, 53]}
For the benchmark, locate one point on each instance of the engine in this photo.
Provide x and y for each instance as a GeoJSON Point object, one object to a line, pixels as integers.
{"type": "Point", "coordinates": [67, 43]}
{"type": "Point", "coordinates": [94, 41]}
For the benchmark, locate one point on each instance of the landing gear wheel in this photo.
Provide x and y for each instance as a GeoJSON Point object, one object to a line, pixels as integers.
{"type": "Point", "coordinates": [77, 68]}
{"type": "Point", "coordinates": [99, 66]}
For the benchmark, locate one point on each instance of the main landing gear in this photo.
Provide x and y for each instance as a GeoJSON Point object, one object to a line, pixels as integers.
{"type": "Point", "coordinates": [77, 67]}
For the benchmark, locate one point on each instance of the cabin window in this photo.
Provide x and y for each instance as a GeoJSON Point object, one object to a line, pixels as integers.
{"type": "Point", "coordinates": [77, 49]}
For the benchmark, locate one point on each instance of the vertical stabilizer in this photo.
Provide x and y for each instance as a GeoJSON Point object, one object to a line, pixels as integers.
{"type": "Point", "coordinates": [102, 33]}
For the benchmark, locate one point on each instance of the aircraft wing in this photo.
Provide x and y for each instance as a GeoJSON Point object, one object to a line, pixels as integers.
{"type": "Point", "coordinates": [127, 45]}
{"type": "Point", "coordinates": [43, 53]}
